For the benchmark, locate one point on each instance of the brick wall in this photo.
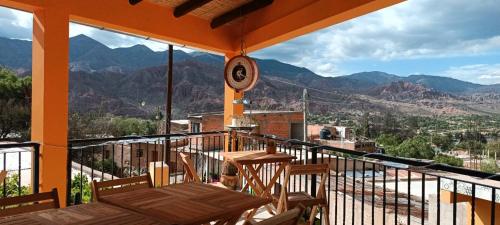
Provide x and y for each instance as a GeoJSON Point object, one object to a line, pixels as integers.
{"type": "Point", "coordinates": [278, 124]}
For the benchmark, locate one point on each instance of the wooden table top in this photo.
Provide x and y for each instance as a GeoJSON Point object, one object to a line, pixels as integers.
{"type": "Point", "coordinates": [183, 204]}
{"type": "Point", "coordinates": [256, 157]}
{"type": "Point", "coordinates": [86, 214]}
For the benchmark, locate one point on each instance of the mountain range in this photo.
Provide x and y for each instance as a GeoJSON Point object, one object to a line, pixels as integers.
{"type": "Point", "coordinates": [131, 81]}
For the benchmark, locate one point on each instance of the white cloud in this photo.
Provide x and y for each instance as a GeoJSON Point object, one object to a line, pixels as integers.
{"type": "Point", "coordinates": [477, 73]}
{"type": "Point", "coordinates": [410, 30]}
{"type": "Point", "coordinates": [114, 39]}
{"type": "Point", "coordinates": [15, 24]}
{"type": "Point", "coordinates": [18, 24]}
{"type": "Point", "coordinates": [118, 40]}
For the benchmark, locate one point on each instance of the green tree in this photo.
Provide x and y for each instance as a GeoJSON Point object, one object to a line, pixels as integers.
{"type": "Point", "coordinates": [450, 160]}
{"type": "Point", "coordinates": [97, 124]}
{"type": "Point", "coordinates": [417, 147]}
{"type": "Point", "coordinates": [15, 99]}
{"type": "Point", "coordinates": [132, 126]}
{"type": "Point", "coordinates": [388, 140]}
{"type": "Point", "coordinates": [444, 142]}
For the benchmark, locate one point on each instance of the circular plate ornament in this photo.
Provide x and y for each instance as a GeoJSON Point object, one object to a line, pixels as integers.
{"type": "Point", "coordinates": [241, 73]}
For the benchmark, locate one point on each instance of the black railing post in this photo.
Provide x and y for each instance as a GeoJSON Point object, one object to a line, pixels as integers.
{"type": "Point", "coordinates": [314, 160]}
{"type": "Point", "coordinates": [36, 168]}
{"type": "Point", "coordinates": [68, 176]}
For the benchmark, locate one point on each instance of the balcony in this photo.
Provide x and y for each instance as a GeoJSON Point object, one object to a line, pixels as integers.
{"type": "Point", "coordinates": [361, 188]}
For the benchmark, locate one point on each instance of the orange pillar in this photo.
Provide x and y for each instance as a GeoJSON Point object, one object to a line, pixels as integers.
{"type": "Point", "coordinates": [230, 95]}
{"type": "Point", "coordinates": [49, 120]}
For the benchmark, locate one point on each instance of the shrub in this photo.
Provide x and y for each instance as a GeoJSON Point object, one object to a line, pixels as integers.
{"type": "Point", "coordinates": [75, 188]}
{"type": "Point", "coordinates": [12, 187]}
{"type": "Point", "coordinates": [450, 160]}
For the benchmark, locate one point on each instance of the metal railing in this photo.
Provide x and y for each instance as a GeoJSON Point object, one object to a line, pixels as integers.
{"type": "Point", "coordinates": [21, 162]}
{"type": "Point", "coordinates": [372, 188]}
{"type": "Point", "coordinates": [113, 158]}
{"type": "Point", "coordinates": [363, 188]}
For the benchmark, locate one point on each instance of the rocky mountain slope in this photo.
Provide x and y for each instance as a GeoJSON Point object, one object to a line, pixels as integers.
{"type": "Point", "coordinates": [131, 81]}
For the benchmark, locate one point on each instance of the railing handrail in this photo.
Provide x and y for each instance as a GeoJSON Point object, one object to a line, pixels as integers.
{"type": "Point", "coordinates": [135, 137]}
{"type": "Point", "coordinates": [388, 158]}
{"type": "Point", "coordinates": [19, 145]}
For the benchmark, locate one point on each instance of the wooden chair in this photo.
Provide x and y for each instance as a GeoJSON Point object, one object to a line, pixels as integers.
{"type": "Point", "coordinates": [29, 203]}
{"type": "Point", "coordinates": [104, 188]}
{"type": "Point", "coordinates": [287, 200]}
{"type": "Point", "coordinates": [190, 174]}
{"type": "Point", "coordinates": [3, 175]}
{"type": "Point", "coordinates": [290, 217]}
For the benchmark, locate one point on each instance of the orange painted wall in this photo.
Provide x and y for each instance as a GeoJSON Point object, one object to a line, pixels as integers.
{"type": "Point", "coordinates": [50, 96]}
{"type": "Point", "coordinates": [482, 210]}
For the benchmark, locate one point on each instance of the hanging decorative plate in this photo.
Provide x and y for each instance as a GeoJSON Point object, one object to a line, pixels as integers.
{"type": "Point", "coordinates": [241, 73]}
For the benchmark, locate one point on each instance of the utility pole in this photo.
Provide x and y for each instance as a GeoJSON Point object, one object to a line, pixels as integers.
{"type": "Point", "coordinates": [305, 96]}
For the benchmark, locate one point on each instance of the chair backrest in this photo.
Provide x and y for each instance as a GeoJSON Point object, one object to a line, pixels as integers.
{"type": "Point", "coordinates": [190, 174]}
{"type": "Point", "coordinates": [29, 203]}
{"type": "Point", "coordinates": [3, 175]}
{"type": "Point", "coordinates": [308, 169]}
{"type": "Point", "coordinates": [290, 217]}
{"type": "Point", "coordinates": [104, 188]}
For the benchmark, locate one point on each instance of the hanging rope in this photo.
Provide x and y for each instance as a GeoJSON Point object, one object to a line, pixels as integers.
{"type": "Point", "coordinates": [242, 38]}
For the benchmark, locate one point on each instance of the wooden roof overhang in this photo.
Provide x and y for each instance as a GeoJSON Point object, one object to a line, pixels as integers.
{"type": "Point", "coordinates": [211, 25]}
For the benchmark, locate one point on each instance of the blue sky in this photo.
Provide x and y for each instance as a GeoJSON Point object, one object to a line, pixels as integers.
{"type": "Point", "coordinates": [454, 38]}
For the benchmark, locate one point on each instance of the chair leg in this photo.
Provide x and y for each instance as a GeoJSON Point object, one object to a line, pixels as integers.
{"type": "Point", "coordinates": [314, 211]}
{"type": "Point", "coordinates": [326, 214]}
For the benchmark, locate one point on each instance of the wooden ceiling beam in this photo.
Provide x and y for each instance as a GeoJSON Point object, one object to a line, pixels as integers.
{"type": "Point", "coordinates": [239, 12]}
{"type": "Point", "coordinates": [189, 6]}
{"type": "Point", "coordinates": [134, 2]}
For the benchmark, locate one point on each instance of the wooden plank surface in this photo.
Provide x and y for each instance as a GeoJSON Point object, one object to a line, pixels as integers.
{"type": "Point", "coordinates": [189, 203]}
{"type": "Point", "coordinates": [256, 157]}
{"type": "Point", "coordinates": [86, 214]}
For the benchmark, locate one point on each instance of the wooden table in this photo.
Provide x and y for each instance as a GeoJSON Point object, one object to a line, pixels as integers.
{"type": "Point", "coordinates": [86, 214]}
{"type": "Point", "coordinates": [253, 161]}
{"type": "Point", "coordinates": [188, 204]}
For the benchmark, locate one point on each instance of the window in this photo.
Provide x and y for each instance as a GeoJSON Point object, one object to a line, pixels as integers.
{"type": "Point", "coordinates": [195, 127]}
{"type": "Point", "coordinates": [139, 153]}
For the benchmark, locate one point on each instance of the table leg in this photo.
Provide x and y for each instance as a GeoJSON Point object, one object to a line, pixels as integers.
{"type": "Point", "coordinates": [245, 188]}
{"type": "Point", "coordinates": [266, 189]}
{"type": "Point", "coordinates": [257, 180]}
{"type": "Point", "coordinates": [248, 178]}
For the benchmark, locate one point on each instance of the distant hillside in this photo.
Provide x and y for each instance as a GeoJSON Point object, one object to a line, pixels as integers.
{"type": "Point", "coordinates": [119, 80]}
{"type": "Point", "coordinates": [404, 90]}
{"type": "Point", "coordinates": [443, 84]}
{"type": "Point", "coordinates": [15, 54]}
